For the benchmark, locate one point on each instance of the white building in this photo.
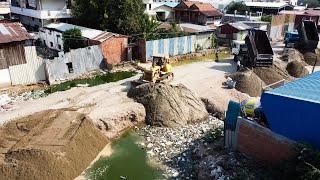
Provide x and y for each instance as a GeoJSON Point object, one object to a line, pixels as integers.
{"type": "Point", "coordinates": [51, 34]}
{"type": "Point", "coordinates": [5, 8]}
{"type": "Point", "coordinates": [160, 10]}
{"type": "Point", "coordinates": [38, 13]}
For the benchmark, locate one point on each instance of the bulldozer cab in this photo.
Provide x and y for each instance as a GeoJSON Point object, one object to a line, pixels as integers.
{"type": "Point", "coordinates": [159, 61]}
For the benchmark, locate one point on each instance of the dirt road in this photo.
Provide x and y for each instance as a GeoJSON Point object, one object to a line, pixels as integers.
{"type": "Point", "coordinates": [109, 101]}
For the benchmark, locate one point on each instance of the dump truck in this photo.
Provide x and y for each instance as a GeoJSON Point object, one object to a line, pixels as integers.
{"type": "Point", "coordinates": [308, 36]}
{"type": "Point", "coordinates": [257, 51]}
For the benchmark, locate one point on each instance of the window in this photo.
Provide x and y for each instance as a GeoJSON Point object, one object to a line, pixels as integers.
{"type": "Point", "coordinates": [51, 44]}
{"type": "Point", "coordinates": [70, 67]}
{"type": "Point", "coordinates": [59, 46]}
{"type": "Point", "coordinates": [58, 36]}
{"type": "Point", "coordinates": [44, 42]}
{"type": "Point", "coordinates": [149, 6]}
{"type": "Point", "coordinates": [50, 32]}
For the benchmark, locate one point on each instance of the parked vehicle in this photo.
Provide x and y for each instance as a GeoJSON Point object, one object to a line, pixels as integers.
{"type": "Point", "coordinates": [256, 51]}
{"type": "Point", "coordinates": [308, 36]}
{"type": "Point", "coordinates": [291, 38]}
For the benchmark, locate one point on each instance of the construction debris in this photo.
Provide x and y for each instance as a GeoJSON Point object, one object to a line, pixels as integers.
{"type": "Point", "coordinates": [297, 69]}
{"type": "Point", "coordinates": [168, 105]}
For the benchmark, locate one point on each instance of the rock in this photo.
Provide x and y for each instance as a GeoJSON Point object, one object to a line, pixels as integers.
{"type": "Point", "coordinates": [168, 105]}
{"type": "Point", "coordinates": [297, 69]}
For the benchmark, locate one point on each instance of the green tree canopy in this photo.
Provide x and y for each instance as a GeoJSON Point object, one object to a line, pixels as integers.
{"type": "Point", "coordinates": [310, 3]}
{"type": "Point", "coordinates": [72, 39]}
{"type": "Point", "coordinates": [239, 6]}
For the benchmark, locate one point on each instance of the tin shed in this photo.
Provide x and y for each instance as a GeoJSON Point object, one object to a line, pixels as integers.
{"type": "Point", "coordinates": [293, 110]}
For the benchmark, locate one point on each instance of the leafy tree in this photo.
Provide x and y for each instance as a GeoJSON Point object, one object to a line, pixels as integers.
{"type": "Point", "coordinates": [125, 16]}
{"type": "Point", "coordinates": [266, 18]}
{"type": "Point", "coordinates": [72, 39]}
{"type": "Point", "coordinates": [89, 13]}
{"type": "Point", "coordinates": [239, 6]}
{"type": "Point", "coordinates": [311, 3]}
{"type": "Point", "coordinates": [149, 28]}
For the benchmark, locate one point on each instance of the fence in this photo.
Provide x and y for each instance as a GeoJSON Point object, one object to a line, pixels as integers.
{"type": "Point", "coordinates": [175, 46]}
{"type": "Point", "coordinates": [74, 63]}
{"type": "Point", "coordinates": [31, 72]}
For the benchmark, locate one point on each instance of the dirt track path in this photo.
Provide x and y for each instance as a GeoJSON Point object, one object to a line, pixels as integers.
{"type": "Point", "coordinates": [110, 100]}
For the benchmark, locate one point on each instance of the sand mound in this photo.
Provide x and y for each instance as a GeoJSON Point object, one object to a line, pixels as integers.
{"type": "Point", "coordinates": [54, 144]}
{"type": "Point", "coordinates": [297, 69]}
{"type": "Point", "coordinates": [168, 105]}
{"type": "Point", "coordinates": [310, 58]}
{"type": "Point", "coordinates": [292, 55]}
{"type": "Point", "coordinates": [248, 82]}
{"type": "Point", "coordinates": [272, 74]}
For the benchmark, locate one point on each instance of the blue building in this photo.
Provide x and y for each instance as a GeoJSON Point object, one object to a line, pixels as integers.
{"type": "Point", "coordinates": [293, 110]}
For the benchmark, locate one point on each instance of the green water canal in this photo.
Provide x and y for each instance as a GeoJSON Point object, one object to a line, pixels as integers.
{"type": "Point", "coordinates": [128, 161]}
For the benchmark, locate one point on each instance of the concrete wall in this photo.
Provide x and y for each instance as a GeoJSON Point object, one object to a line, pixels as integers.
{"type": "Point", "coordinates": [279, 25]}
{"type": "Point", "coordinates": [31, 72]}
{"type": "Point", "coordinates": [261, 143]}
{"type": "Point", "coordinates": [176, 46]}
{"type": "Point", "coordinates": [82, 61]}
{"type": "Point", "coordinates": [114, 50]}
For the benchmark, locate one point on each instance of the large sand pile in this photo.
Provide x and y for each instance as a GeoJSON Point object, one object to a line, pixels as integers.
{"type": "Point", "coordinates": [169, 105]}
{"type": "Point", "coordinates": [248, 82]}
{"type": "Point", "coordinates": [310, 58]}
{"type": "Point", "coordinates": [53, 144]}
{"type": "Point", "coordinates": [275, 73]}
{"type": "Point", "coordinates": [297, 69]}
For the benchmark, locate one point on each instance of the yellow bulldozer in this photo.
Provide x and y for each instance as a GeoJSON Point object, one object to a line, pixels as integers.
{"type": "Point", "coordinates": [160, 71]}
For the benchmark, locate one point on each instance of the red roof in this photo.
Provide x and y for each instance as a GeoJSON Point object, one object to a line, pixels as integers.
{"type": "Point", "coordinates": [12, 32]}
{"type": "Point", "coordinates": [206, 9]}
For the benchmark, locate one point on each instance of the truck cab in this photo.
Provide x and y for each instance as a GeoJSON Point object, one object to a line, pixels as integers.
{"type": "Point", "coordinates": [291, 38]}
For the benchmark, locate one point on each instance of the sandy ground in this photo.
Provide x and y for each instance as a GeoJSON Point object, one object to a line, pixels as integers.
{"type": "Point", "coordinates": [109, 101]}
{"type": "Point", "coordinates": [206, 78]}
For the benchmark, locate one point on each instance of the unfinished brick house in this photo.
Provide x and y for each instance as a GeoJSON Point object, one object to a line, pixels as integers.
{"type": "Point", "coordinates": [196, 12]}
{"type": "Point", "coordinates": [113, 46]}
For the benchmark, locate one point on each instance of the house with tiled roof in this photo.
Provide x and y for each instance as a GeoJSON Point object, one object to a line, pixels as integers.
{"type": "Point", "coordinates": [196, 12]}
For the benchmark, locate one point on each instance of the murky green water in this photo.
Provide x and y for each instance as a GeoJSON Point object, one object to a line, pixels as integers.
{"type": "Point", "coordinates": [97, 80]}
{"type": "Point", "coordinates": [128, 161]}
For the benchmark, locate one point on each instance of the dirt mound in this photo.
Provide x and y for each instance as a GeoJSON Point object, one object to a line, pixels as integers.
{"type": "Point", "coordinates": [297, 69]}
{"type": "Point", "coordinates": [272, 74]}
{"type": "Point", "coordinates": [168, 105]}
{"type": "Point", "coordinates": [292, 55]}
{"type": "Point", "coordinates": [248, 82]}
{"type": "Point", "coordinates": [53, 144]}
{"type": "Point", "coordinates": [310, 58]}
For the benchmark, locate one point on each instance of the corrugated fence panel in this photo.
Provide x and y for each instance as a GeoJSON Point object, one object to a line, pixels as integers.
{"type": "Point", "coordinates": [82, 61]}
{"type": "Point", "coordinates": [149, 46]}
{"type": "Point", "coordinates": [165, 47]}
{"type": "Point", "coordinates": [171, 46]}
{"type": "Point", "coordinates": [31, 72]}
{"type": "Point", "coordinates": [5, 79]}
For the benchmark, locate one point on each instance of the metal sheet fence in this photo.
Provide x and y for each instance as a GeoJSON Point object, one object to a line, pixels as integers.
{"type": "Point", "coordinates": [31, 72]}
{"type": "Point", "coordinates": [74, 63]}
{"type": "Point", "coordinates": [178, 45]}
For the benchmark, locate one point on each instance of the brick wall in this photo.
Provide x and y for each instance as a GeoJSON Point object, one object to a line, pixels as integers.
{"type": "Point", "coordinates": [262, 144]}
{"type": "Point", "coordinates": [114, 50]}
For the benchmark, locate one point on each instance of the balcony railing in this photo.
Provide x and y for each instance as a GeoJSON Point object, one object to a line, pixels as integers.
{"type": "Point", "coordinates": [42, 14]}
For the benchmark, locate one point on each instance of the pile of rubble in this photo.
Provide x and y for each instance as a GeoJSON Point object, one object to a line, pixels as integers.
{"type": "Point", "coordinates": [7, 102]}
{"type": "Point", "coordinates": [174, 147]}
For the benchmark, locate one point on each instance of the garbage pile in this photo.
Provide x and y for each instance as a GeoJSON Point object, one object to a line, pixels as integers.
{"type": "Point", "coordinates": [7, 102]}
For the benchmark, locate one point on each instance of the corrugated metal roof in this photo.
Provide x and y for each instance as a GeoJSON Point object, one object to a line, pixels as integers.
{"type": "Point", "coordinates": [240, 26]}
{"type": "Point", "coordinates": [12, 32]}
{"type": "Point", "coordinates": [306, 88]}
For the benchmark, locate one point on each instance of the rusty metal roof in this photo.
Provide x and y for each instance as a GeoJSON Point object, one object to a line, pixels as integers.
{"type": "Point", "coordinates": [12, 32]}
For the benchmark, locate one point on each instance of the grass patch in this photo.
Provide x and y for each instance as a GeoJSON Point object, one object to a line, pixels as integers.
{"type": "Point", "coordinates": [209, 57]}
{"type": "Point", "coordinates": [94, 81]}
